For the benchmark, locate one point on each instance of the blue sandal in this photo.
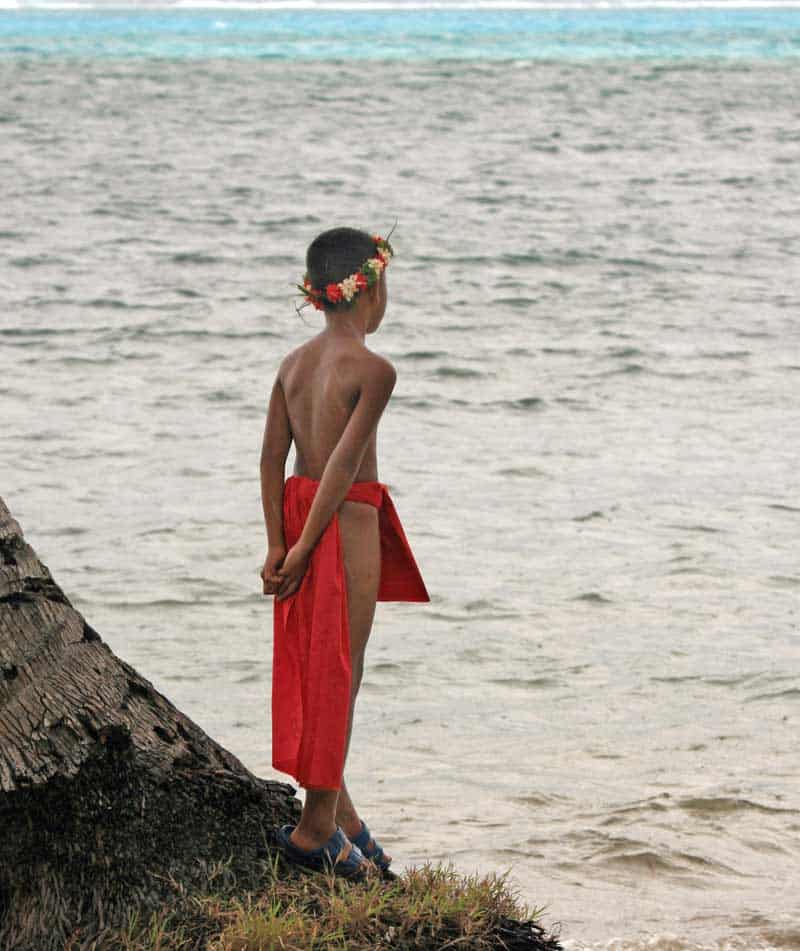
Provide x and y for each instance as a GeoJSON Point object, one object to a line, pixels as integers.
{"type": "Point", "coordinates": [327, 857]}
{"type": "Point", "coordinates": [372, 850]}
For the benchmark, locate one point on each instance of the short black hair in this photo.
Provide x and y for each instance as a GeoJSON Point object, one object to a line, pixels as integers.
{"type": "Point", "coordinates": [336, 254]}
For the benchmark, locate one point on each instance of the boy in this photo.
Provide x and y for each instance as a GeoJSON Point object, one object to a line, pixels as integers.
{"type": "Point", "coordinates": [335, 543]}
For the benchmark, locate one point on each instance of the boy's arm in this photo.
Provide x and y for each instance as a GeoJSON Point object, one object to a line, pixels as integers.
{"type": "Point", "coordinates": [342, 467]}
{"type": "Point", "coordinates": [274, 450]}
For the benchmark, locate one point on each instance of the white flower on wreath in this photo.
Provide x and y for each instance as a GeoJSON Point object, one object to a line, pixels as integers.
{"type": "Point", "coordinates": [349, 287]}
{"type": "Point", "coordinates": [376, 264]}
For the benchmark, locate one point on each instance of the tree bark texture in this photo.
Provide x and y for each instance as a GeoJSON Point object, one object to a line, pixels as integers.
{"type": "Point", "coordinates": [110, 798]}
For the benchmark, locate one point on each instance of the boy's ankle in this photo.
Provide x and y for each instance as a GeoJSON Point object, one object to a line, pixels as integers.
{"type": "Point", "coordinates": [314, 832]}
{"type": "Point", "coordinates": [350, 823]}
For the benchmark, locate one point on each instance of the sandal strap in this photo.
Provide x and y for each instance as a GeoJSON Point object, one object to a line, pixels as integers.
{"type": "Point", "coordinates": [369, 846]}
{"type": "Point", "coordinates": [363, 839]}
{"type": "Point", "coordinates": [328, 855]}
{"type": "Point", "coordinates": [344, 853]}
{"type": "Point", "coordinates": [350, 859]}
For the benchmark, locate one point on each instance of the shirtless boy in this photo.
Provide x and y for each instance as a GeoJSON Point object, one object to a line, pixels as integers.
{"type": "Point", "coordinates": [328, 398]}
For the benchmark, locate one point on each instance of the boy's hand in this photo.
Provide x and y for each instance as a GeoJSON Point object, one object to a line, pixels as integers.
{"type": "Point", "coordinates": [291, 572]}
{"type": "Point", "coordinates": [269, 573]}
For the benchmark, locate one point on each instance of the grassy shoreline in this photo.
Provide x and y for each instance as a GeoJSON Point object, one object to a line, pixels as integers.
{"type": "Point", "coordinates": [430, 907]}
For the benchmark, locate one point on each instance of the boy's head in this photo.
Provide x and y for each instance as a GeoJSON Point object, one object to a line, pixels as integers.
{"type": "Point", "coordinates": [342, 262]}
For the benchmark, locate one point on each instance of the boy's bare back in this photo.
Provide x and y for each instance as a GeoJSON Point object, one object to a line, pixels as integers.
{"type": "Point", "coordinates": [322, 382]}
{"type": "Point", "coordinates": [327, 399]}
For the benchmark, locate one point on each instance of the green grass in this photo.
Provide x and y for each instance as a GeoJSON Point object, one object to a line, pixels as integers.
{"type": "Point", "coordinates": [427, 907]}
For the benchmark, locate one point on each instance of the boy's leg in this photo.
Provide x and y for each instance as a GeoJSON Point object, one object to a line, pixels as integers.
{"type": "Point", "coordinates": [362, 556]}
{"type": "Point", "coordinates": [317, 823]}
{"type": "Point", "coordinates": [346, 815]}
{"type": "Point", "coordinates": [358, 528]}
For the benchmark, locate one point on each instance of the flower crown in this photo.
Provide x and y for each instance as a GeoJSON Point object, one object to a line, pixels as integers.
{"type": "Point", "coordinates": [366, 276]}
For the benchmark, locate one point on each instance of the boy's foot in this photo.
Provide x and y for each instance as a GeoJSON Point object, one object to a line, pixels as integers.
{"type": "Point", "coordinates": [372, 850]}
{"type": "Point", "coordinates": [338, 854]}
{"type": "Point", "coordinates": [308, 842]}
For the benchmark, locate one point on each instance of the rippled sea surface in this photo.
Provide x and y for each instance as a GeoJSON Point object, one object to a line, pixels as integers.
{"type": "Point", "coordinates": [592, 443]}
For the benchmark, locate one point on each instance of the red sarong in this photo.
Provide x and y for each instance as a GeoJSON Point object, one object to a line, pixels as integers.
{"type": "Point", "coordinates": [311, 671]}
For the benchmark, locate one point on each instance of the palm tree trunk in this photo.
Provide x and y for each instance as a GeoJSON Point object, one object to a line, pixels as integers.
{"type": "Point", "coordinates": [110, 798]}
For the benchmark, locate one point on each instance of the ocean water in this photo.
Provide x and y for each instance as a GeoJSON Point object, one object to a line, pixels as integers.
{"type": "Point", "coordinates": [577, 31]}
{"type": "Point", "coordinates": [592, 442]}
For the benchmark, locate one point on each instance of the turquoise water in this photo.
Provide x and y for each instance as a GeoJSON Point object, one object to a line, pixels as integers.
{"type": "Point", "coordinates": [771, 33]}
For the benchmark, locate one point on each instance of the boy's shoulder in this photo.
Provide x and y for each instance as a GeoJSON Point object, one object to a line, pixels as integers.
{"type": "Point", "coordinates": [378, 365]}
{"type": "Point", "coordinates": [355, 357]}
{"type": "Point", "coordinates": [293, 356]}
{"type": "Point", "coordinates": [373, 371]}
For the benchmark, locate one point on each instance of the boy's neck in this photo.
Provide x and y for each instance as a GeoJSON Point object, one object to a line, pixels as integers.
{"type": "Point", "coordinates": [348, 323]}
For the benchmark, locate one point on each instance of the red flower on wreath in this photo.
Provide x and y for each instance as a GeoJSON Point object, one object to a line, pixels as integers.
{"type": "Point", "coordinates": [334, 293]}
{"type": "Point", "coordinates": [312, 295]}
{"type": "Point", "coordinates": [361, 281]}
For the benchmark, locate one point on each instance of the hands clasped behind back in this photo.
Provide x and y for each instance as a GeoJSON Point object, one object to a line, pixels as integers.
{"type": "Point", "coordinates": [292, 570]}
{"type": "Point", "coordinates": [283, 571]}
{"type": "Point", "coordinates": [269, 572]}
